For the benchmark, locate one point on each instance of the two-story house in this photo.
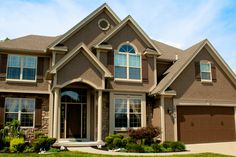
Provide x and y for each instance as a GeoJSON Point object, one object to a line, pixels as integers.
{"type": "Point", "coordinates": [106, 75]}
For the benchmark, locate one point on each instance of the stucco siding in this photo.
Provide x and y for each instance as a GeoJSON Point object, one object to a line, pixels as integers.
{"type": "Point", "coordinates": [88, 33]}
{"type": "Point", "coordinates": [169, 120]}
{"type": "Point", "coordinates": [79, 67]}
{"type": "Point", "coordinates": [187, 87]}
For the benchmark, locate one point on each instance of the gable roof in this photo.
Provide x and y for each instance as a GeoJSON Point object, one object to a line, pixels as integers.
{"type": "Point", "coordinates": [168, 52]}
{"type": "Point", "coordinates": [75, 51]}
{"type": "Point", "coordinates": [32, 43]}
{"type": "Point", "coordinates": [177, 68]}
{"type": "Point", "coordinates": [136, 26]}
{"type": "Point", "coordinates": [84, 22]}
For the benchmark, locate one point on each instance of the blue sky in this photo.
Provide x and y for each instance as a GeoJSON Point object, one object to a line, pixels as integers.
{"type": "Point", "coordinates": [180, 23]}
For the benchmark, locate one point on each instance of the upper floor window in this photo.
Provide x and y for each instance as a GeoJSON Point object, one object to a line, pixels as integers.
{"type": "Point", "coordinates": [127, 63]}
{"type": "Point", "coordinates": [205, 69]}
{"type": "Point", "coordinates": [21, 67]}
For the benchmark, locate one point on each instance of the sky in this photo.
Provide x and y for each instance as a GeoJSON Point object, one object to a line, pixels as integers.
{"type": "Point", "coordinates": [180, 23]}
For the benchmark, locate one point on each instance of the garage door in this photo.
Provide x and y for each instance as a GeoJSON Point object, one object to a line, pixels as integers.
{"type": "Point", "coordinates": [205, 124]}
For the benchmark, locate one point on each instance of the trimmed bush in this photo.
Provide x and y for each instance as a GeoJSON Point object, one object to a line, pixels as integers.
{"type": "Point", "coordinates": [17, 145]}
{"type": "Point", "coordinates": [127, 140]}
{"type": "Point", "coordinates": [114, 141]}
{"type": "Point", "coordinates": [117, 142]}
{"type": "Point", "coordinates": [148, 149]}
{"type": "Point", "coordinates": [157, 147]}
{"type": "Point", "coordinates": [167, 144]}
{"type": "Point", "coordinates": [43, 143]}
{"type": "Point", "coordinates": [133, 147]}
{"type": "Point", "coordinates": [177, 146]}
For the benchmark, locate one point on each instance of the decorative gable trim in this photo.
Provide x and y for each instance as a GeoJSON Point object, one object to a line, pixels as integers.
{"type": "Point", "coordinates": [87, 53]}
{"type": "Point", "coordinates": [136, 28]}
{"type": "Point", "coordinates": [84, 22]}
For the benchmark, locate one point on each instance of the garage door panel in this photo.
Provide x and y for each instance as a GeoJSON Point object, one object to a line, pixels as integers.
{"type": "Point", "coordinates": [198, 124]}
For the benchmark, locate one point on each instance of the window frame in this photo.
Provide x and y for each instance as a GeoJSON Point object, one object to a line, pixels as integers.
{"type": "Point", "coordinates": [21, 69]}
{"type": "Point", "coordinates": [210, 71]}
{"type": "Point", "coordinates": [127, 96]}
{"type": "Point", "coordinates": [127, 63]}
{"type": "Point", "coordinates": [20, 112]}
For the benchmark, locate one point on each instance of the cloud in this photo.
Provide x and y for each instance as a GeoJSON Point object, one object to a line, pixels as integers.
{"type": "Point", "coordinates": [178, 23]}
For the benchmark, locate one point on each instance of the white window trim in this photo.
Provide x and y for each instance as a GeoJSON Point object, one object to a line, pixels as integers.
{"type": "Point", "coordinates": [210, 72]}
{"type": "Point", "coordinates": [21, 70]}
{"type": "Point", "coordinates": [127, 64]}
{"type": "Point", "coordinates": [113, 96]}
{"type": "Point", "coordinates": [19, 111]}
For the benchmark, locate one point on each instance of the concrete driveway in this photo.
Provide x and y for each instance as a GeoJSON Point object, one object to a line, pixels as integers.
{"type": "Point", "coordinates": [227, 148]}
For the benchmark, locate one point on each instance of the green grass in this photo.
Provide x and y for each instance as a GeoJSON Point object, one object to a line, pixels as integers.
{"type": "Point", "coordinates": [76, 154]}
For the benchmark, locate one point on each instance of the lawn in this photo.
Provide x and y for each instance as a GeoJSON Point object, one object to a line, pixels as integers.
{"type": "Point", "coordinates": [75, 154]}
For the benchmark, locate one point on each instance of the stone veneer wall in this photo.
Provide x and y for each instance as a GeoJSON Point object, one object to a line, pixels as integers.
{"type": "Point", "coordinates": [105, 115]}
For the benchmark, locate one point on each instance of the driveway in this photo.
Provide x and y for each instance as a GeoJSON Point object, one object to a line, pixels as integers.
{"type": "Point", "coordinates": [227, 148]}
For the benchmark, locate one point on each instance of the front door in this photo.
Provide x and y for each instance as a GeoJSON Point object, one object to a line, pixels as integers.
{"type": "Point", "coordinates": [73, 128]}
{"type": "Point", "coordinates": [74, 117]}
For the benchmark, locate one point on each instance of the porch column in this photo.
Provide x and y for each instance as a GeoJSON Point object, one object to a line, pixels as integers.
{"type": "Point", "coordinates": [162, 118]}
{"type": "Point", "coordinates": [99, 131]}
{"type": "Point", "coordinates": [55, 116]}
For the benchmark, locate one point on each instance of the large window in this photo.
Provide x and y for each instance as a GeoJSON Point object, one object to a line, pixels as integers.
{"type": "Point", "coordinates": [21, 67]}
{"type": "Point", "coordinates": [205, 69]}
{"type": "Point", "coordinates": [22, 109]}
{"type": "Point", "coordinates": [128, 111]}
{"type": "Point", "coordinates": [127, 63]}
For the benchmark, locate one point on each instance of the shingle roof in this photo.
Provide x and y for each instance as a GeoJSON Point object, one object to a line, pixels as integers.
{"type": "Point", "coordinates": [28, 43]}
{"type": "Point", "coordinates": [168, 52]}
{"type": "Point", "coordinates": [176, 68]}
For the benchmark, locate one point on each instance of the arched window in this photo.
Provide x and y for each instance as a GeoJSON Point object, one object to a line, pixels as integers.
{"type": "Point", "coordinates": [127, 63]}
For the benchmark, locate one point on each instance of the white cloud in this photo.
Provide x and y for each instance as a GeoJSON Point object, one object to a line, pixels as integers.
{"type": "Point", "coordinates": [178, 23]}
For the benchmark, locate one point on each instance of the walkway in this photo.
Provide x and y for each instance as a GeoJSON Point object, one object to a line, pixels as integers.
{"type": "Point", "coordinates": [227, 148]}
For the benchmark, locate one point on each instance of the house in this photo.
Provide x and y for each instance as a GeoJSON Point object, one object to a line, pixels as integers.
{"type": "Point", "coordinates": [106, 75]}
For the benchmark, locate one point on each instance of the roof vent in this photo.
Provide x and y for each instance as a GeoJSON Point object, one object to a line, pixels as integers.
{"type": "Point", "coordinates": [103, 24]}
{"type": "Point", "coordinates": [176, 57]}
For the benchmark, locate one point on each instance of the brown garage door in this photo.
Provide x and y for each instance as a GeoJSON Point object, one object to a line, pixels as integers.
{"type": "Point", "coordinates": [205, 124]}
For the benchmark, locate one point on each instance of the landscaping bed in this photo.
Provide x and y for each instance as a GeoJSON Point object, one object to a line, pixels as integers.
{"type": "Point", "coordinates": [14, 140]}
{"type": "Point", "coordinates": [144, 140]}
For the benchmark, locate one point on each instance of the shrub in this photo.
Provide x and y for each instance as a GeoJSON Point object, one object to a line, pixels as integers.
{"type": "Point", "coordinates": [127, 140]}
{"type": "Point", "coordinates": [43, 143]}
{"type": "Point", "coordinates": [167, 144]}
{"type": "Point", "coordinates": [12, 129]}
{"type": "Point", "coordinates": [114, 141]}
{"type": "Point", "coordinates": [117, 142]}
{"type": "Point", "coordinates": [177, 146]}
{"type": "Point", "coordinates": [28, 149]}
{"type": "Point", "coordinates": [133, 147]}
{"type": "Point", "coordinates": [157, 147]}
{"type": "Point", "coordinates": [38, 134]}
{"type": "Point", "coordinates": [148, 149]}
{"type": "Point", "coordinates": [17, 145]}
{"type": "Point", "coordinates": [5, 150]}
